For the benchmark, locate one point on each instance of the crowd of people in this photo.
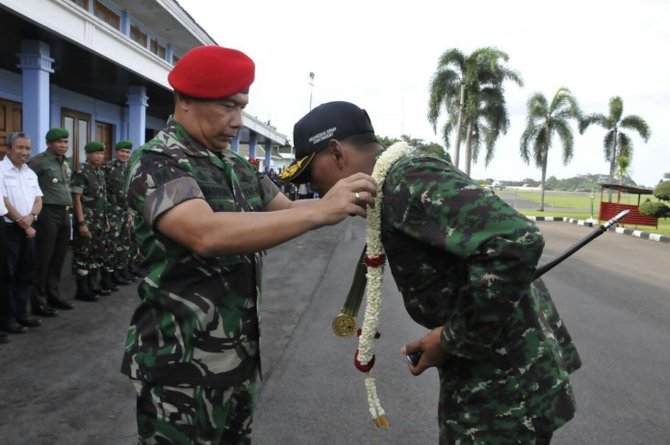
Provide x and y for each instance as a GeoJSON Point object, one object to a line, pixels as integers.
{"type": "Point", "coordinates": [42, 199]}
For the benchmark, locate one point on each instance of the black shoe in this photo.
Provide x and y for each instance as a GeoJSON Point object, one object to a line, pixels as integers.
{"type": "Point", "coordinates": [14, 328]}
{"type": "Point", "coordinates": [44, 310]}
{"type": "Point", "coordinates": [107, 282]}
{"type": "Point", "coordinates": [84, 292]}
{"type": "Point", "coordinates": [118, 278]}
{"type": "Point", "coordinates": [29, 322]}
{"type": "Point", "coordinates": [93, 285]}
{"type": "Point", "coordinates": [129, 277]}
{"type": "Point", "coordinates": [60, 304]}
{"type": "Point", "coordinates": [89, 298]}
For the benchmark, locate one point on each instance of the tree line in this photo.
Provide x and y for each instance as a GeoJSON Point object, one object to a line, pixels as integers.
{"type": "Point", "coordinates": [469, 90]}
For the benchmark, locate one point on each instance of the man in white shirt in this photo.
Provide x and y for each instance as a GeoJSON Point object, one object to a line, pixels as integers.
{"type": "Point", "coordinates": [23, 200]}
{"type": "Point", "coordinates": [3, 246]}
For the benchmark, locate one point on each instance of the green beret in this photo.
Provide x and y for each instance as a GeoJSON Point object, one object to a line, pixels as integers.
{"type": "Point", "coordinates": [57, 133]}
{"type": "Point", "coordinates": [94, 146]}
{"type": "Point", "coordinates": [125, 145]}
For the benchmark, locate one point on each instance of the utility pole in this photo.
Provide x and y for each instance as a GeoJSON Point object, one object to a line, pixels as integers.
{"type": "Point", "coordinates": [311, 88]}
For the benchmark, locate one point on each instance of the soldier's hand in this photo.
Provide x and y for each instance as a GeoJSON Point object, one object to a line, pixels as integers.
{"type": "Point", "coordinates": [430, 350]}
{"type": "Point", "coordinates": [350, 196]}
{"type": "Point", "coordinates": [83, 231]}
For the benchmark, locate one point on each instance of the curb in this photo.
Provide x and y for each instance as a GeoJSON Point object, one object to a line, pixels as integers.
{"type": "Point", "coordinates": [620, 230]}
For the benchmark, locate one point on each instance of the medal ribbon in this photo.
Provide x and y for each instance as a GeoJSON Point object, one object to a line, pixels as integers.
{"type": "Point", "coordinates": [357, 289]}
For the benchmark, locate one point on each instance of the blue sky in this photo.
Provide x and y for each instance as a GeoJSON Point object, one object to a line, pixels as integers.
{"type": "Point", "coordinates": [381, 55]}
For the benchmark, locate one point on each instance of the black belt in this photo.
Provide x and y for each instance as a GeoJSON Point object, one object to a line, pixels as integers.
{"type": "Point", "coordinates": [57, 206]}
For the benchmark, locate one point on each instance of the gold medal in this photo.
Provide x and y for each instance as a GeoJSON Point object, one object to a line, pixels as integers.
{"type": "Point", "coordinates": [344, 325]}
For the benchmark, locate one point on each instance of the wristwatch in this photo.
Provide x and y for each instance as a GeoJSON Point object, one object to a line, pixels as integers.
{"type": "Point", "coordinates": [81, 223]}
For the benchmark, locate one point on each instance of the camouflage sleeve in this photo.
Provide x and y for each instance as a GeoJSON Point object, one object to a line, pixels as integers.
{"type": "Point", "coordinates": [78, 183]}
{"type": "Point", "coordinates": [157, 183]}
{"type": "Point", "coordinates": [268, 190]}
{"type": "Point", "coordinates": [437, 205]}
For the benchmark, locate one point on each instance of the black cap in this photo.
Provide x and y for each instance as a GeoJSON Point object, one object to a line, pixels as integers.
{"type": "Point", "coordinates": [311, 134]}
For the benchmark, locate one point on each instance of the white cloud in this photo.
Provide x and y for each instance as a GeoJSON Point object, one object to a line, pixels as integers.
{"type": "Point", "coordinates": [382, 54]}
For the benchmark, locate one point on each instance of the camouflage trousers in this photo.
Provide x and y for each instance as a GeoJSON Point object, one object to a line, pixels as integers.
{"type": "Point", "coordinates": [196, 415]}
{"type": "Point", "coordinates": [504, 428]}
{"type": "Point", "coordinates": [118, 243]}
{"type": "Point", "coordinates": [87, 253]}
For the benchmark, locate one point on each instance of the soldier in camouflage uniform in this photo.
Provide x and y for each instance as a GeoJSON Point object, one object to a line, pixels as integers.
{"type": "Point", "coordinates": [89, 193]}
{"type": "Point", "coordinates": [202, 214]}
{"type": "Point", "coordinates": [501, 349]}
{"type": "Point", "coordinates": [118, 241]}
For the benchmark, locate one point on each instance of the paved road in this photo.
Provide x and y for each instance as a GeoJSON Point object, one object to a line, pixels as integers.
{"type": "Point", "coordinates": [60, 383]}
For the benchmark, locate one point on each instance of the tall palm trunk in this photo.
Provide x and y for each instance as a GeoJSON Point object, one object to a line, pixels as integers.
{"type": "Point", "coordinates": [457, 145]}
{"type": "Point", "coordinates": [468, 149]}
{"type": "Point", "coordinates": [613, 156]}
{"type": "Point", "coordinates": [545, 157]}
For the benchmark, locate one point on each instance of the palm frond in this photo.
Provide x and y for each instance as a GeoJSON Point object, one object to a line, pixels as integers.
{"type": "Point", "coordinates": [634, 122]}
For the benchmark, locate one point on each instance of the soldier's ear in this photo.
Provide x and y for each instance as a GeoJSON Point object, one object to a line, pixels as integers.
{"type": "Point", "coordinates": [337, 152]}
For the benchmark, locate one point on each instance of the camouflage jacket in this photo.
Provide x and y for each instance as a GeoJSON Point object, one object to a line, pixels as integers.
{"type": "Point", "coordinates": [471, 271]}
{"type": "Point", "coordinates": [115, 176]}
{"type": "Point", "coordinates": [89, 182]}
{"type": "Point", "coordinates": [197, 324]}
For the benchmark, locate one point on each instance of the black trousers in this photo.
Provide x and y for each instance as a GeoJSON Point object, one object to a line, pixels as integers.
{"type": "Point", "coordinates": [20, 258]}
{"type": "Point", "coordinates": [4, 303]}
{"type": "Point", "coordinates": [53, 235]}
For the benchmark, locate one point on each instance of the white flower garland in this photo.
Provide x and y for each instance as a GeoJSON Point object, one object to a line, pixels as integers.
{"type": "Point", "coordinates": [375, 259]}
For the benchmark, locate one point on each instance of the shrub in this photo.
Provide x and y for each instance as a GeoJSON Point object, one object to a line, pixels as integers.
{"type": "Point", "coordinates": [657, 209]}
{"type": "Point", "coordinates": [662, 191]}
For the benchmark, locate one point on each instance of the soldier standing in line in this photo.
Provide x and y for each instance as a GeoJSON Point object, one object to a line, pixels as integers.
{"type": "Point", "coordinates": [464, 262]}
{"type": "Point", "coordinates": [89, 193]}
{"type": "Point", "coordinates": [118, 240]}
{"type": "Point", "coordinates": [53, 226]}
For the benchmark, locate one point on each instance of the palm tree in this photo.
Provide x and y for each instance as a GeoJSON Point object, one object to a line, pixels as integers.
{"type": "Point", "coordinates": [448, 88]}
{"type": "Point", "coordinates": [545, 119]}
{"type": "Point", "coordinates": [616, 142]}
{"type": "Point", "coordinates": [471, 90]}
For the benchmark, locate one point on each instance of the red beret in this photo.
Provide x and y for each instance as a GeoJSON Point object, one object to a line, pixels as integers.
{"type": "Point", "coordinates": [212, 72]}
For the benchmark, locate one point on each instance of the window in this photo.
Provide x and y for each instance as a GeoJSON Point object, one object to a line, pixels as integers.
{"type": "Point", "coordinates": [157, 48]}
{"type": "Point", "coordinates": [138, 35]}
{"type": "Point", "coordinates": [175, 59]}
{"type": "Point", "coordinates": [81, 3]}
{"type": "Point", "coordinates": [107, 15]}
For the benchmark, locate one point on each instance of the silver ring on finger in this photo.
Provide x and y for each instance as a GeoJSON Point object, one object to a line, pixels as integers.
{"type": "Point", "coordinates": [358, 196]}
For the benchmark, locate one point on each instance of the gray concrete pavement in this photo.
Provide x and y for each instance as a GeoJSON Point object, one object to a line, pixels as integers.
{"type": "Point", "coordinates": [60, 384]}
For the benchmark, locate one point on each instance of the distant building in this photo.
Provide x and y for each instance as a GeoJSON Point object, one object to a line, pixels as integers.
{"type": "Point", "coordinates": [99, 68]}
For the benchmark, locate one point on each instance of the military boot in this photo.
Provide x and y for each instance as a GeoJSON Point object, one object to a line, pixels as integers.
{"type": "Point", "coordinates": [84, 292]}
{"type": "Point", "coordinates": [119, 278]}
{"type": "Point", "coordinates": [107, 281]}
{"type": "Point", "coordinates": [128, 275]}
{"type": "Point", "coordinates": [94, 286]}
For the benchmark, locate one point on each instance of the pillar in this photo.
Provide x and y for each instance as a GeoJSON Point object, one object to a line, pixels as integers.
{"type": "Point", "coordinates": [268, 155]}
{"type": "Point", "coordinates": [235, 143]}
{"type": "Point", "coordinates": [35, 65]}
{"type": "Point", "coordinates": [252, 145]}
{"type": "Point", "coordinates": [137, 114]}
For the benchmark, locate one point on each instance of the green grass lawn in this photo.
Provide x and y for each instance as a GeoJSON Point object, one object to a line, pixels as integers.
{"type": "Point", "coordinates": [576, 205]}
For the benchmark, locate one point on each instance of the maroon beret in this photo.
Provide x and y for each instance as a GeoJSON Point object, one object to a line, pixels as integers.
{"type": "Point", "coordinates": [212, 72]}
